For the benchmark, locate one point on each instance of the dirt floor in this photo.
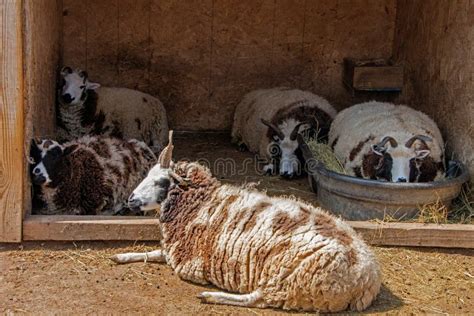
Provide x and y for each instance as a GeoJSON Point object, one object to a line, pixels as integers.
{"type": "Point", "coordinates": [78, 278]}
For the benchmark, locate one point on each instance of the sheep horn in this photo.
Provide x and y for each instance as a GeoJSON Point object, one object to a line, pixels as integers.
{"type": "Point", "coordinates": [312, 122]}
{"type": "Point", "coordinates": [165, 156]}
{"type": "Point", "coordinates": [421, 138]}
{"type": "Point", "coordinates": [274, 128]}
{"type": "Point", "coordinates": [387, 139]}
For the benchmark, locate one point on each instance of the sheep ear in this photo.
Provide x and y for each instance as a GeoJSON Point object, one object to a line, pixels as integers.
{"type": "Point", "coordinates": [92, 85]}
{"type": "Point", "coordinates": [422, 154]}
{"type": "Point", "coordinates": [378, 150]}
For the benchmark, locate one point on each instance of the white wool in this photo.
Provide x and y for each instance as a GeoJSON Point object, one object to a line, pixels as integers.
{"type": "Point", "coordinates": [124, 106]}
{"type": "Point", "coordinates": [379, 119]}
{"type": "Point", "coordinates": [264, 104]}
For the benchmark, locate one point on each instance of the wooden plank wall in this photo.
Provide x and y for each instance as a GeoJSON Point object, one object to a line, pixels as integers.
{"type": "Point", "coordinates": [435, 42]}
{"type": "Point", "coordinates": [42, 59]}
{"type": "Point", "coordinates": [11, 121]}
{"type": "Point", "coordinates": [201, 56]}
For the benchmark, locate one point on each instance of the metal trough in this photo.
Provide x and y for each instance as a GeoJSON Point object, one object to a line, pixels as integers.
{"type": "Point", "coordinates": [360, 199]}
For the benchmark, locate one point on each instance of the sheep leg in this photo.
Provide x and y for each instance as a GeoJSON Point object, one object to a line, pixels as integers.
{"type": "Point", "coordinates": [152, 256]}
{"type": "Point", "coordinates": [253, 299]}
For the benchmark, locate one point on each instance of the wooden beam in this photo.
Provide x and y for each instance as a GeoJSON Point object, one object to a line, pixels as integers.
{"type": "Point", "coordinates": [11, 121]}
{"type": "Point", "coordinates": [416, 234]}
{"type": "Point", "coordinates": [63, 228]}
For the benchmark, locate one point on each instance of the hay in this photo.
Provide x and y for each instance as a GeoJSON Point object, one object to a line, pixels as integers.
{"type": "Point", "coordinates": [463, 206]}
{"type": "Point", "coordinates": [436, 212]}
{"type": "Point", "coordinates": [324, 154]}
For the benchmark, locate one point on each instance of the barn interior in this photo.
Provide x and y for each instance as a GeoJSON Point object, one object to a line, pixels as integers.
{"type": "Point", "coordinates": [201, 57]}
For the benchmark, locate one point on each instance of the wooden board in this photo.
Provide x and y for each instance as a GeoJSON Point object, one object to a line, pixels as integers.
{"type": "Point", "coordinates": [63, 227]}
{"type": "Point", "coordinates": [435, 43]}
{"type": "Point", "coordinates": [60, 228]}
{"type": "Point", "coordinates": [372, 75]}
{"type": "Point", "coordinates": [42, 54]}
{"type": "Point", "coordinates": [204, 55]}
{"type": "Point", "coordinates": [11, 121]}
{"type": "Point", "coordinates": [416, 234]}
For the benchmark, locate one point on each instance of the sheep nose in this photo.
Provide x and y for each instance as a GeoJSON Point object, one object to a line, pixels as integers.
{"type": "Point", "coordinates": [402, 180]}
{"type": "Point", "coordinates": [67, 98]}
{"type": "Point", "coordinates": [134, 202]}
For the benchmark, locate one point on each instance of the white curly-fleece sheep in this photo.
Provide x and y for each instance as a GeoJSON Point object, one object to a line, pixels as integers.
{"type": "Point", "coordinates": [268, 251]}
{"type": "Point", "coordinates": [376, 140]}
{"type": "Point", "coordinates": [85, 108]}
{"type": "Point", "coordinates": [267, 122]}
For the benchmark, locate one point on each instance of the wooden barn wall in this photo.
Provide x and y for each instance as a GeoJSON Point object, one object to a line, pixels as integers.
{"type": "Point", "coordinates": [200, 57]}
{"type": "Point", "coordinates": [42, 54]}
{"type": "Point", "coordinates": [435, 42]}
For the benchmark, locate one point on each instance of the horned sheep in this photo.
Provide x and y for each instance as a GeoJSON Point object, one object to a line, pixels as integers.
{"type": "Point", "coordinates": [284, 113]}
{"type": "Point", "coordinates": [86, 108]}
{"type": "Point", "coordinates": [273, 252]}
{"type": "Point", "coordinates": [383, 141]}
{"type": "Point", "coordinates": [88, 176]}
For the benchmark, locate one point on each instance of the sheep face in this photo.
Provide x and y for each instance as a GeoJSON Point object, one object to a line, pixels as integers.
{"type": "Point", "coordinates": [45, 155]}
{"type": "Point", "coordinates": [395, 162]}
{"type": "Point", "coordinates": [152, 190]}
{"type": "Point", "coordinates": [74, 85]}
{"type": "Point", "coordinates": [284, 145]}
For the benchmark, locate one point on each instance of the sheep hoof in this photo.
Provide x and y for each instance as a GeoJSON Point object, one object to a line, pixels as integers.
{"type": "Point", "coordinates": [115, 258]}
{"type": "Point", "coordinates": [204, 296]}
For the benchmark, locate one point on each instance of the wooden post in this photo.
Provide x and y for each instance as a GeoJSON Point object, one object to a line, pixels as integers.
{"type": "Point", "coordinates": [11, 121]}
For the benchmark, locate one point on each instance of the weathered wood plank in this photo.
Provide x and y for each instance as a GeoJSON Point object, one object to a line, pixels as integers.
{"type": "Point", "coordinates": [416, 234]}
{"type": "Point", "coordinates": [58, 228]}
{"type": "Point", "coordinates": [42, 54]}
{"type": "Point", "coordinates": [62, 228]}
{"type": "Point", "coordinates": [75, 33]}
{"type": "Point", "coordinates": [134, 44]}
{"type": "Point", "coordinates": [11, 121]}
{"type": "Point", "coordinates": [102, 41]}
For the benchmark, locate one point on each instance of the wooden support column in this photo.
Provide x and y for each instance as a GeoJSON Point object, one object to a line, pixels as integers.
{"type": "Point", "coordinates": [11, 121]}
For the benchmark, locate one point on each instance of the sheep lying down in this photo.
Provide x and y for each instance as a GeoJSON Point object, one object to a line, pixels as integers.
{"type": "Point", "coordinates": [87, 176]}
{"type": "Point", "coordinates": [263, 251]}
{"type": "Point", "coordinates": [86, 108]}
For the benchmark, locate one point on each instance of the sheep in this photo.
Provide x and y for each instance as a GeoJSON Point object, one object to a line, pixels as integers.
{"type": "Point", "coordinates": [284, 113]}
{"type": "Point", "coordinates": [273, 251]}
{"type": "Point", "coordinates": [88, 176]}
{"type": "Point", "coordinates": [85, 108]}
{"type": "Point", "coordinates": [383, 141]}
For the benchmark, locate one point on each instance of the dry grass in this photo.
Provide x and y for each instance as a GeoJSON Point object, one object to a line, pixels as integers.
{"type": "Point", "coordinates": [461, 212]}
{"type": "Point", "coordinates": [436, 213]}
{"type": "Point", "coordinates": [463, 206]}
{"type": "Point", "coordinates": [324, 154]}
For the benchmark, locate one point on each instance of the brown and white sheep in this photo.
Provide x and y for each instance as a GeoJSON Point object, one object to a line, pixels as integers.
{"type": "Point", "coordinates": [268, 251]}
{"type": "Point", "coordinates": [85, 108]}
{"type": "Point", "coordinates": [268, 121]}
{"type": "Point", "coordinates": [88, 176]}
{"type": "Point", "coordinates": [383, 141]}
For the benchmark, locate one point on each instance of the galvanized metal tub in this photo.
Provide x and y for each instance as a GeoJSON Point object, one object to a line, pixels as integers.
{"type": "Point", "coordinates": [360, 199]}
